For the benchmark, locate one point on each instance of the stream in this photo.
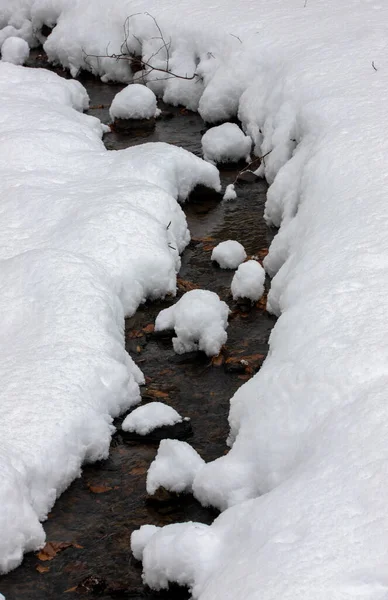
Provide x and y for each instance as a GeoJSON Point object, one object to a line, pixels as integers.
{"type": "Point", "coordinates": [99, 511]}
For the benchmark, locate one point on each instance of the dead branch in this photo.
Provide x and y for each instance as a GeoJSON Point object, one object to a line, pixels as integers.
{"type": "Point", "coordinates": [145, 64]}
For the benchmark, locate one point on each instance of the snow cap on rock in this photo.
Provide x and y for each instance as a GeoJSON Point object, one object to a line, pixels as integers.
{"type": "Point", "coordinates": [248, 281]}
{"type": "Point", "coordinates": [229, 254]}
{"type": "Point", "coordinates": [200, 319]}
{"type": "Point", "coordinates": [146, 418]}
{"type": "Point", "coordinates": [135, 101]}
{"type": "Point", "coordinates": [226, 143]}
{"type": "Point", "coordinates": [174, 467]}
{"type": "Point", "coordinates": [15, 50]}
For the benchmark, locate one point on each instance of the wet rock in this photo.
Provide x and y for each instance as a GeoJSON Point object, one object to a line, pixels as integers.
{"type": "Point", "coordinates": [247, 177]}
{"type": "Point", "coordinates": [46, 30]}
{"type": "Point", "coordinates": [179, 431]}
{"type": "Point", "coordinates": [129, 126]}
{"type": "Point", "coordinates": [202, 193]}
{"type": "Point", "coordinates": [188, 357]}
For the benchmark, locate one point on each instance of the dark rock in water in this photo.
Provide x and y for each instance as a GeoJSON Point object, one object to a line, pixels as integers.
{"type": "Point", "coordinates": [179, 431]}
{"type": "Point", "coordinates": [202, 193]}
{"type": "Point", "coordinates": [247, 177]}
{"type": "Point", "coordinates": [133, 125]}
{"type": "Point", "coordinates": [46, 30]}
{"type": "Point", "coordinates": [188, 357]}
{"type": "Point", "coordinates": [165, 334]}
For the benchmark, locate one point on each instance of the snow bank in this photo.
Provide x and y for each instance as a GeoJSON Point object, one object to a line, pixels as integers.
{"type": "Point", "coordinates": [226, 143]}
{"type": "Point", "coordinates": [229, 254]}
{"type": "Point", "coordinates": [248, 281]}
{"type": "Point", "coordinates": [85, 236]}
{"type": "Point", "coordinates": [174, 468]}
{"type": "Point", "coordinates": [199, 319]}
{"type": "Point", "coordinates": [15, 50]}
{"type": "Point", "coordinates": [134, 102]}
{"type": "Point", "coordinates": [145, 418]}
{"type": "Point", "coordinates": [303, 486]}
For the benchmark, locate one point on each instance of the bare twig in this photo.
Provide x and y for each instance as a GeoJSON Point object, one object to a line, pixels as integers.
{"type": "Point", "coordinates": [146, 65]}
{"type": "Point", "coordinates": [374, 66]}
{"type": "Point", "coordinates": [248, 167]}
{"type": "Point", "coordinates": [236, 36]}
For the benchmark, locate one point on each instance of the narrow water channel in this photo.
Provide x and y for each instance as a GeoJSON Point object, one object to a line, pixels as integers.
{"type": "Point", "coordinates": [100, 510]}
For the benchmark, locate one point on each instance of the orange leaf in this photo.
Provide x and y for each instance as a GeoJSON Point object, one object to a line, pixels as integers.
{"type": "Point", "coordinates": [149, 328]}
{"type": "Point", "coordinates": [42, 569]}
{"type": "Point", "coordinates": [51, 549]}
{"type": "Point", "coordinates": [99, 489]}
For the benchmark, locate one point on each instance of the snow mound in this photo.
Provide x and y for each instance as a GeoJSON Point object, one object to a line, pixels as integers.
{"type": "Point", "coordinates": [200, 320]}
{"type": "Point", "coordinates": [140, 537]}
{"type": "Point", "coordinates": [229, 254]}
{"type": "Point", "coordinates": [226, 143]}
{"type": "Point", "coordinates": [15, 50]}
{"type": "Point", "coordinates": [174, 467]}
{"type": "Point", "coordinates": [248, 281]}
{"type": "Point", "coordinates": [177, 552]}
{"type": "Point", "coordinates": [64, 374]}
{"type": "Point", "coordinates": [150, 416]}
{"type": "Point", "coordinates": [85, 236]}
{"type": "Point", "coordinates": [230, 192]}
{"type": "Point", "coordinates": [134, 102]}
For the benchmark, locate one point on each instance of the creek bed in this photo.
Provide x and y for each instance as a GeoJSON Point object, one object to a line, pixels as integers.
{"type": "Point", "coordinates": [100, 510]}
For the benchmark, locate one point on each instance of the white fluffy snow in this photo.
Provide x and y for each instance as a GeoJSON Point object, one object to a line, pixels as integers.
{"type": "Point", "coordinates": [248, 281]}
{"type": "Point", "coordinates": [229, 254]}
{"type": "Point", "coordinates": [134, 102]}
{"type": "Point", "coordinates": [83, 240]}
{"type": "Point", "coordinates": [226, 143]}
{"type": "Point", "coordinates": [146, 418]}
{"type": "Point", "coordinates": [15, 50]}
{"type": "Point", "coordinates": [303, 486]}
{"type": "Point", "coordinates": [199, 319]}
{"type": "Point", "coordinates": [230, 192]}
{"type": "Point", "coordinates": [174, 467]}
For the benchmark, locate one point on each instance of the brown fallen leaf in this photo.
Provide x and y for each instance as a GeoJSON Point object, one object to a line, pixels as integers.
{"type": "Point", "coordinates": [135, 334]}
{"type": "Point", "coordinates": [51, 549]}
{"type": "Point", "coordinates": [99, 489]}
{"type": "Point", "coordinates": [72, 589]}
{"type": "Point", "coordinates": [151, 393]}
{"type": "Point", "coordinates": [138, 471]}
{"type": "Point", "coordinates": [138, 349]}
{"type": "Point", "coordinates": [42, 569]}
{"type": "Point", "coordinates": [185, 286]}
{"type": "Point", "coordinates": [148, 328]}
{"type": "Point", "coordinates": [218, 360]}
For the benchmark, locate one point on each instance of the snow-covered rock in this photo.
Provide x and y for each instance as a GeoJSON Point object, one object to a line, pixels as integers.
{"type": "Point", "coordinates": [15, 50]}
{"type": "Point", "coordinates": [174, 467]}
{"type": "Point", "coordinates": [177, 552]}
{"type": "Point", "coordinates": [199, 319]}
{"type": "Point", "coordinates": [230, 192]}
{"type": "Point", "coordinates": [140, 537]}
{"type": "Point", "coordinates": [229, 254]}
{"type": "Point", "coordinates": [134, 102]}
{"type": "Point", "coordinates": [248, 281]}
{"type": "Point", "coordinates": [146, 418]}
{"type": "Point", "coordinates": [226, 143]}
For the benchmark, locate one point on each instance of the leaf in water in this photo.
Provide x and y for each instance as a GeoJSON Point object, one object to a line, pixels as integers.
{"type": "Point", "coordinates": [151, 393]}
{"type": "Point", "coordinates": [148, 328]}
{"type": "Point", "coordinates": [99, 489]}
{"type": "Point", "coordinates": [42, 569]}
{"type": "Point", "coordinates": [51, 549]}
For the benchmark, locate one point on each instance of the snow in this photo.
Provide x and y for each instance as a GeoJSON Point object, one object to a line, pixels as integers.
{"type": "Point", "coordinates": [176, 552]}
{"type": "Point", "coordinates": [229, 254]}
{"type": "Point", "coordinates": [226, 143]}
{"type": "Point", "coordinates": [134, 102]}
{"type": "Point", "coordinates": [139, 539]}
{"type": "Point", "coordinates": [199, 319]}
{"type": "Point", "coordinates": [230, 192]}
{"type": "Point", "coordinates": [248, 281]}
{"type": "Point", "coordinates": [303, 486]}
{"type": "Point", "coordinates": [85, 237]}
{"type": "Point", "coordinates": [146, 418]}
{"type": "Point", "coordinates": [15, 50]}
{"type": "Point", "coordinates": [174, 467]}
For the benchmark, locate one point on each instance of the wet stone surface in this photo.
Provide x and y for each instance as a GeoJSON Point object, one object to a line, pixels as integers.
{"type": "Point", "coordinates": [100, 510]}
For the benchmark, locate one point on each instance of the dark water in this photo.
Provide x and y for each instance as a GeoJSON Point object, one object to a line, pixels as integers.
{"type": "Point", "coordinates": [101, 509]}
